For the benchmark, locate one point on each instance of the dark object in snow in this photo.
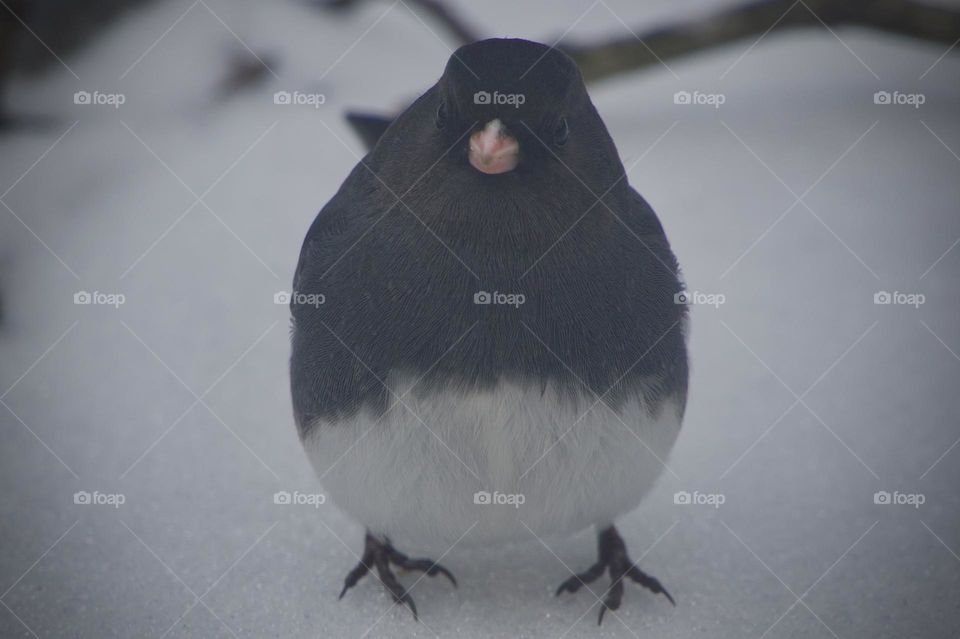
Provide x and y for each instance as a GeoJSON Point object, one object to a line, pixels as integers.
{"type": "Point", "coordinates": [483, 279]}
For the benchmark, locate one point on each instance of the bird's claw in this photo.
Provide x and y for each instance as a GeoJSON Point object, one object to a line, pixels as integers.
{"type": "Point", "coordinates": [613, 559]}
{"type": "Point", "coordinates": [379, 554]}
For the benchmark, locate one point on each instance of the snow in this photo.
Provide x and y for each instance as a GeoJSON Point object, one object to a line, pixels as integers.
{"type": "Point", "coordinates": [806, 397]}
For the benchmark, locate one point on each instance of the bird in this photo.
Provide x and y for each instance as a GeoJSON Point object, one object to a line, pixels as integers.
{"type": "Point", "coordinates": [489, 339]}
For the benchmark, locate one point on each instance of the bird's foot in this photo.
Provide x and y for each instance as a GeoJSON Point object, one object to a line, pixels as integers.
{"type": "Point", "coordinates": [378, 555]}
{"type": "Point", "coordinates": [613, 558]}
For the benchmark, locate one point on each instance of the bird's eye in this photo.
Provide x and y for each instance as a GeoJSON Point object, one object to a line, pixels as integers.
{"type": "Point", "coordinates": [441, 116]}
{"type": "Point", "coordinates": [561, 132]}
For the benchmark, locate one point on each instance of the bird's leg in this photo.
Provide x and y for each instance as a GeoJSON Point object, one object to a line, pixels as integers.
{"type": "Point", "coordinates": [612, 557]}
{"type": "Point", "coordinates": [379, 554]}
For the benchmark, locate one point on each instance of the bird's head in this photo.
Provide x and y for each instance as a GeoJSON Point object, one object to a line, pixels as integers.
{"type": "Point", "coordinates": [514, 107]}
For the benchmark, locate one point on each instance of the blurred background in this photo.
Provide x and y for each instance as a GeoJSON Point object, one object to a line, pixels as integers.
{"type": "Point", "coordinates": [161, 160]}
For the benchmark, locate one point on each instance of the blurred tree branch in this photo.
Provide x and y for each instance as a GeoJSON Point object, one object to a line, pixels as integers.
{"type": "Point", "coordinates": [31, 29]}
{"type": "Point", "coordinates": [9, 23]}
{"type": "Point", "coordinates": [754, 19]}
{"type": "Point", "coordinates": [645, 47]}
{"type": "Point", "coordinates": [457, 27]}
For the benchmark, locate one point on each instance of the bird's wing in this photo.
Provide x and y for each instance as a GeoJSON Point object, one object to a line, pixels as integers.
{"type": "Point", "coordinates": [336, 218]}
{"type": "Point", "coordinates": [329, 378]}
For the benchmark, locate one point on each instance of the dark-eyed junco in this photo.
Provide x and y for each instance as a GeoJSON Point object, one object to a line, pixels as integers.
{"type": "Point", "coordinates": [488, 337]}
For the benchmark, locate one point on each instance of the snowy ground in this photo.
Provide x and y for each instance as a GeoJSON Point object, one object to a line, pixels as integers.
{"type": "Point", "coordinates": [797, 200]}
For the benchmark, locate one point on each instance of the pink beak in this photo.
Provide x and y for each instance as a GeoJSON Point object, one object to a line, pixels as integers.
{"type": "Point", "coordinates": [492, 151]}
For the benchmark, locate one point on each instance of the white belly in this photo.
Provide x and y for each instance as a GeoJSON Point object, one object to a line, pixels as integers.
{"type": "Point", "coordinates": [417, 482]}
